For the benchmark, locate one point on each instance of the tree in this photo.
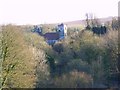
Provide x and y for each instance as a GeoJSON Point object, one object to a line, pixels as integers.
{"type": "Point", "coordinates": [1, 58]}
{"type": "Point", "coordinates": [88, 22]}
{"type": "Point", "coordinates": [115, 24]}
{"type": "Point", "coordinates": [18, 63]}
{"type": "Point", "coordinates": [92, 21]}
{"type": "Point", "coordinates": [58, 47]}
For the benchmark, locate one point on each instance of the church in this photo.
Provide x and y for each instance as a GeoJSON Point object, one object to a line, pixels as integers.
{"type": "Point", "coordinates": [52, 37]}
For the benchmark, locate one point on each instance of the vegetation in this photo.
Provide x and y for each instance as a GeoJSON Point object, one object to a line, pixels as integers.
{"type": "Point", "coordinates": [81, 60]}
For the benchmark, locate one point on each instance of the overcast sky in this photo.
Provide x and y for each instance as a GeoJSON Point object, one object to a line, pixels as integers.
{"type": "Point", "coordinates": [51, 11]}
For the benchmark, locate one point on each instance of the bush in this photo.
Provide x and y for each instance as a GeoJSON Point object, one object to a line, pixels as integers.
{"type": "Point", "coordinates": [73, 79]}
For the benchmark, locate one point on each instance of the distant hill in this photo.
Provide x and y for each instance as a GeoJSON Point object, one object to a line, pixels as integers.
{"type": "Point", "coordinates": [83, 22]}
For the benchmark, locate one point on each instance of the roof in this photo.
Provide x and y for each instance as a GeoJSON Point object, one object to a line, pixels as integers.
{"type": "Point", "coordinates": [51, 36]}
{"type": "Point", "coordinates": [61, 24]}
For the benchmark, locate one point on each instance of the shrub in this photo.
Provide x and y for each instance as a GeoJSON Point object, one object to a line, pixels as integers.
{"type": "Point", "coordinates": [73, 79]}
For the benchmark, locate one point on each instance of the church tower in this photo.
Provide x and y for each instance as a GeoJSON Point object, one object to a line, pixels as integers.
{"type": "Point", "coordinates": [62, 31]}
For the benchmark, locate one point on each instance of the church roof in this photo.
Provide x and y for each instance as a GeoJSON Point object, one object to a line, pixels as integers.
{"type": "Point", "coordinates": [51, 36]}
{"type": "Point", "coordinates": [61, 24]}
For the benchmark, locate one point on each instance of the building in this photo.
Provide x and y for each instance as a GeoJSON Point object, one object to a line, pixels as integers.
{"type": "Point", "coordinates": [37, 29]}
{"type": "Point", "coordinates": [60, 34]}
{"type": "Point", "coordinates": [52, 37]}
{"type": "Point", "coordinates": [62, 30]}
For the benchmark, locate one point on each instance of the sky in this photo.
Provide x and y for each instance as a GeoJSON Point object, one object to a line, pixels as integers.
{"type": "Point", "coordinates": [53, 11]}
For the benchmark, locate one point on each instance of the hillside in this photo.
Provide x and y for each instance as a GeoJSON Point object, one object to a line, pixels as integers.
{"type": "Point", "coordinates": [81, 60]}
{"type": "Point", "coordinates": [83, 22]}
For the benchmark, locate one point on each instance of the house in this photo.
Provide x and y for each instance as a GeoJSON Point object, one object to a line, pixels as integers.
{"type": "Point", "coordinates": [37, 29]}
{"type": "Point", "coordinates": [52, 37]}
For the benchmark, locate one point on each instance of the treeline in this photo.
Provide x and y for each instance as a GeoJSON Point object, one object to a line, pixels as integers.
{"type": "Point", "coordinates": [81, 60]}
{"type": "Point", "coordinates": [22, 55]}
{"type": "Point", "coordinates": [94, 55]}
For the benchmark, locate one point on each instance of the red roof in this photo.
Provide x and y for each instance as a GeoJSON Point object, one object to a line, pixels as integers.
{"type": "Point", "coordinates": [51, 36]}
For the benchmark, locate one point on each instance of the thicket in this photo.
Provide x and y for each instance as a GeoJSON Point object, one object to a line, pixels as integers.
{"type": "Point", "coordinates": [82, 59]}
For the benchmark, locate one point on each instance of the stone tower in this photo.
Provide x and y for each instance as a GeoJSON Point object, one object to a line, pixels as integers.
{"type": "Point", "coordinates": [62, 30]}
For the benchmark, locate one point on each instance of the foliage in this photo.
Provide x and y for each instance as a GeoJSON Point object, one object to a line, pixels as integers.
{"type": "Point", "coordinates": [115, 24]}
{"type": "Point", "coordinates": [100, 53]}
{"type": "Point", "coordinates": [82, 59]}
{"type": "Point", "coordinates": [48, 28]}
{"type": "Point", "coordinates": [0, 58]}
{"type": "Point", "coordinates": [73, 79]}
{"type": "Point", "coordinates": [17, 58]}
